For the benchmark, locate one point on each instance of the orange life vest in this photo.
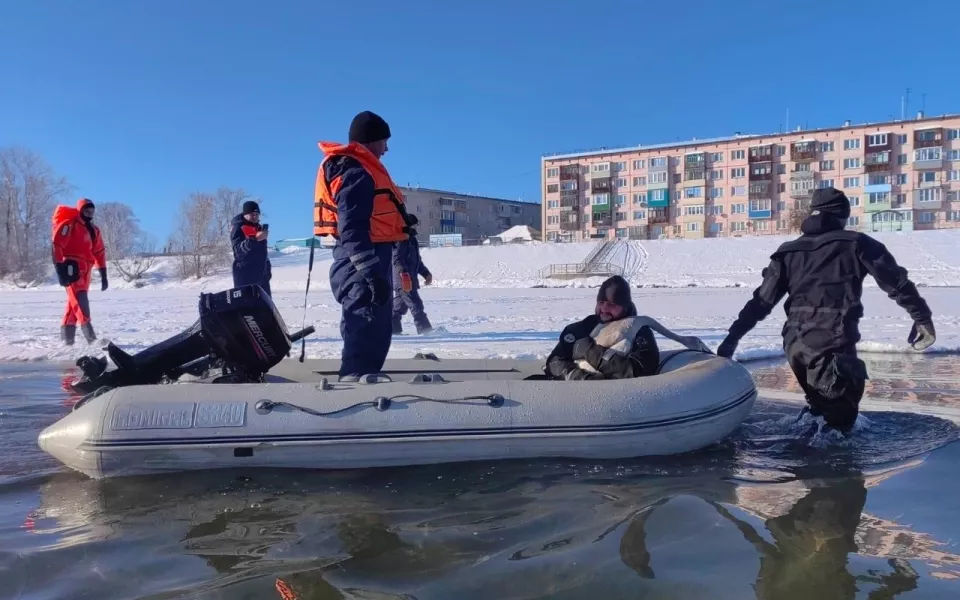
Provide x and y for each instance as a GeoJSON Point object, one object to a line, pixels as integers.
{"type": "Point", "coordinates": [387, 222]}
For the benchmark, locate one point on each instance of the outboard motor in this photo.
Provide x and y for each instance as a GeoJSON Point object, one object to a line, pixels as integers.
{"type": "Point", "coordinates": [239, 332]}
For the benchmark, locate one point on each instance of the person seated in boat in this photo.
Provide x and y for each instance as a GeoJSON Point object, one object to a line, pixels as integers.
{"type": "Point", "coordinates": [612, 343]}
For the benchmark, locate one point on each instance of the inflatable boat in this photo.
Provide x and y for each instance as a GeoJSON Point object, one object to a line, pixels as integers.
{"type": "Point", "coordinates": [247, 407]}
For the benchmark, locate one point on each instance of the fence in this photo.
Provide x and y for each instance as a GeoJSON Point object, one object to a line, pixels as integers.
{"type": "Point", "coordinates": [582, 269]}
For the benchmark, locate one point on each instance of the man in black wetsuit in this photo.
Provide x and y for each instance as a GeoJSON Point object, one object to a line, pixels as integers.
{"type": "Point", "coordinates": [822, 274]}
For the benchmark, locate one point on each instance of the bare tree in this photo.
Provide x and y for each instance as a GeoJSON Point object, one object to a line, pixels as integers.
{"type": "Point", "coordinates": [29, 190]}
{"type": "Point", "coordinates": [141, 259]}
{"type": "Point", "coordinates": [227, 205]}
{"type": "Point", "coordinates": [801, 210]}
{"type": "Point", "coordinates": [120, 228]}
{"type": "Point", "coordinates": [196, 238]}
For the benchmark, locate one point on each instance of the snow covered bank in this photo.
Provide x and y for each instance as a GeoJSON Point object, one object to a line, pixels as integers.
{"type": "Point", "coordinates": [486, 323]}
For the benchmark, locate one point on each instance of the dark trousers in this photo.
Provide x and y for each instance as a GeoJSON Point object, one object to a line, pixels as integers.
{"type": "Point", "coordinates": [833, 382]}
{"type": "Point", "coordinates": [365, 327]}
{"type": "Point", "coordinates": [402, 301]}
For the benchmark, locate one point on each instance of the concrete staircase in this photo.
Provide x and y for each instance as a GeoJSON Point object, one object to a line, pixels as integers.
{"type": "Point", "coordinates": [596, 264]}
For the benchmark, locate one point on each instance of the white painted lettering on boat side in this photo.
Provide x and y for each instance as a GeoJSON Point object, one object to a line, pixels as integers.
{"type": "Point", "coordinates": [220, 414]}
{"type": "Point", "coordinates": [258, 335]}
{"type": "Point", "coordinates": [166, 416]}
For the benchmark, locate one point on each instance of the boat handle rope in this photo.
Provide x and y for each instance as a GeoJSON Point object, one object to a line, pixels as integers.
{"type": "Point", "coordinates": [381, 403]}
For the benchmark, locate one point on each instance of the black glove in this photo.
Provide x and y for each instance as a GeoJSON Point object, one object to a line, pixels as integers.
{"type": "Point", "coordinates": [380, 289]}
{"type": "Point", "coordinates": [68, 272]}
{"type": "Point", "coordinates": [727, 347]}
{"type": "Point", "coordinates": [922, 335]}
{"type": "Point", "coordinates": [103, 279]}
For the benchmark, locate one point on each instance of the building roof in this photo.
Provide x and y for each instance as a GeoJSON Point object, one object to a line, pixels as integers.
{"type": "Point", "coordinates": [738, 136]}
{"type": "Point", "coordinates": [462, 195]}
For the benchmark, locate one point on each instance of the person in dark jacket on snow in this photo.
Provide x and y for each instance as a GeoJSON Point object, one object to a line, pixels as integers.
{"type": "Point", "coordinates": [407, 264]}
{"type": "Point", "coordinates": [249, 240]}
{"type": "Point", "coordinates": [578, 356]}
{"type": "Point", "coordinates": [822, 274]}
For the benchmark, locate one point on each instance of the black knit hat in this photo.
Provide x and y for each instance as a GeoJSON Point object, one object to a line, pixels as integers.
{"type": "Point", "coordinates": [368, 127]}
{"type": "Point", "coordinates": [830, 201]}
{"type": "Point", "coordinates": [617, 290]}
{"type": "Point", "coordinates": [250, 207]}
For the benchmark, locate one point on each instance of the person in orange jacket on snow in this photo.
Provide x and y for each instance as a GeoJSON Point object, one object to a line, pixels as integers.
{"type": "Point", "coordinates": [77, 249]}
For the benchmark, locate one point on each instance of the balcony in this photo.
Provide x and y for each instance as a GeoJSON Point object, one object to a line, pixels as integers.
{"type": "Point", "coordinates": [692, 200]}
{"type": "Point", "coordinates": [569, 172]}
{"type": "Point", "coordinates": [601, 185]}
{"type": "Point", "coordinates": [878, 142]}
{"type": "Point", "coordinates": [601, 221]}
{"type": "Point", "coordinates": [928, 138]}
{"type": "Point", "coordinates": [877, 162]}
{"type": "Point", "coordinates": [924, 184]}
{"type": "Point", "coordinates": [928, 158]}
{"type": "Point", "coordinates": [802, 191]}
{"type": "Point", "coordinates": [695, 177]}
{"type": "Point", "coordinates": [927, 199]}
{"type": "Point", "coordinates": [759, 191]}
{"type": "Point", "coordinates": [761, 153]}
{"type": "Point", "coordinates": [658, 198]}
{"type": "Point", "coordinates": [657, 217]}
{"type": "Point", "coordinates": [569, 226]}
{"type": "Point", "coordinates": [697, 160]}
{"type": "Point", "coordinates": [762, 171]}
{"type": "Point", "coordinates": [877, 202]}
{"type": "Point", "coordinates": [806, 150]}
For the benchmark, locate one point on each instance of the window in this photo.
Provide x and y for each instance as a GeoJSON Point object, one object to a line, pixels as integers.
{"type": "Point", "coordinates": [878, 197]}
{"type": "Point", "coordinates": [851, 144]}
{"type": "Point", "coordinates": [738, 226]}
{"type": "Point", "coordinates": [781, 169]}
{"type": "Point", "coordinates": [716, 157]}
{"type": "Point", "coordinates": [639, 164]}
{"type": "Point", "coordinates": [658, 195]}
{"type": "Point", "coordinates": [902, 139]}
{"type": "Point", "coordinates": [600, 199]}
{"type": "Point", "coordinates": [553, 204]}
{"type": "Point", "coordinates": [851, 163]}
{"type": "Point", "coordinates": [692, 192]}
{"type": "Point", "coordinates": [901, 159]}
{"type": "Point", "coordinates": [756, 205]}
{"type": "Point", "coordinates": [738, 173]}
{"type": "Point", "coordinates": [737, 209]}
{"type": "Point", "coordinates": [781, 225]}
{"type": "Point", "coordinates": [802, 167]}
{"type": "Point", "coordinates": [854, 200]}
{"type": "Point", "coordinates": [693, 210]}
{"type": "Point", "coordinates": [853, 221]}
{"type": "Point", "coordinates": [878, 179]}
{"type": "Point", "coordinates": [782, 187]}
{"type": "Point", "coordinates": [693, 226]}
{"type": "Point", "coordinates": [555, 172]}
{"type": "Point", "coordinates": [781, 150]}
{"type": "Point", "coordinates": [447, 215]}
{"type": "Point", "coordinates": [760, 225]}
{"type": "Point", "coordinates": [851, 182]}
{"type": "Point", "coordinates": [953, 175]}
{"type": "Point", "coordinates": [929, 195]}
{"type": "Point", "coordinates": [781, 206]}
{"type": "Point", "coordinates": [926, 154]}
{"type": "Point", "coordinates": [877, 139]}
{"type": "Point", "coordinates": [825, 183]}
{"type": "Point", "coordinates": [716, 227]}
{"type": "Point", "coordinates": [639, 215]}
{"type": "Point", "coordinates": [953, 215]}
{"type": "Point", "coordinates": [620, 182]}
{"type": "Point", "coordinates": [738, 154]}
{"type": "Point", "coordinates": [638, 181]}
{"type": "Point", "coordinates": [826, 146]}
{"type": "Point", "coordinates": [716, 174]}
{"type": "Point", "coordinates": [902, 179]}
{"type": "Point", "coordinates": [899, 200]}
{"type": "Point", "coordinates": [953, 134]}
{"type": "Point", "coordinates": [953, 196]}
{"type": "Point", "coordinates": [619, 166]}
{"type": "Point", "coordinates": [927, 177]}
{"type": "Point", "coordinates": [716, 192]}
{"type": "Point", "coordinates": [553, 219]}
{"type": "Point", "coordinates": [621, 199]}
{"type": "Point", "coordinates": [738, 190]}
{"type": "Point", "coordinates": [621, 216]}
{"type": "Point", "coordinates": [640, 198]}
{"type": "Point", "coordinates": [677, 177]}
{"type": "Point", "coordinates": [826, 165]}
{"type": "Point", "coordinates": [878, 158]}
{"type": "Point", "coordinates": [553, 188]}
{"type": "Point", "coordinates": [660, 177]}
{"type": "Point", "coordinates": [660, 161]}
{"type": "Point", "coordinates": [716, 209]}
{"type": "Point", "coordinates": [600, 167]}
{"type": "Point", "coordinates": [953, 154]}
{"type": "Point", "coordinates": [926, 217]}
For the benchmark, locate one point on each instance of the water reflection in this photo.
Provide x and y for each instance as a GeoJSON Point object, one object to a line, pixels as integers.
{"type": "Point", "coordinates": [914, 378]}
{"type": "Point", "coordinates": [506, 531]}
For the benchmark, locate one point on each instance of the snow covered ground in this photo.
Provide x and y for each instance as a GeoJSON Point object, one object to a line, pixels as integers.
{"type": "Point", "coordinates": [486, 301]}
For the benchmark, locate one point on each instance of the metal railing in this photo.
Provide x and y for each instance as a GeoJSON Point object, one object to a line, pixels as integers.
{"type": "Point", "coordinates": [581, 269]}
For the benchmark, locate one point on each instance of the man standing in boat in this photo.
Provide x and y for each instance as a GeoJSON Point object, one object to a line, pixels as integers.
{"type": "Point", "coordinates": [822, 274]}
{"type": "Point", "coordinates": [358, 204]}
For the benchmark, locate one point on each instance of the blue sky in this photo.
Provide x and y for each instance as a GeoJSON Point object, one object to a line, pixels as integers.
{"type": "Point", "coordinates": [144, 102]}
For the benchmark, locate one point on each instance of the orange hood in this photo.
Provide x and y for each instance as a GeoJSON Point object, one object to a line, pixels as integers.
{"type": "Point", "coordinates": [82, 203]}
{"type": "Point", "coordinates": [62, 214]}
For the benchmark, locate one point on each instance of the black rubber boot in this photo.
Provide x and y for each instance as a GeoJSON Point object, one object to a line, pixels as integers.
{"type": "Point", "coordinates": [67, 334]}
{"type": "Point", "coordinates": [87, 329]}
{"type": "Point", "coordinates": [423, 325]}
{"type": "Point", "coordinates": [397, 325]}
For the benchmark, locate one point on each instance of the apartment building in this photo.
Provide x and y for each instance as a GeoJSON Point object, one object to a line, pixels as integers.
{"type": "Point", "coordinates": [900, 176]}
{"type": "Point", "coordinates": [474, 217]}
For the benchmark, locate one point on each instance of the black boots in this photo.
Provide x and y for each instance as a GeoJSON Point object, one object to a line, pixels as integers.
{"type": "Point", "coordinates": [68, 333]}
{"type": "Point", "coordinates": [423, 325]}
{"type": "Point", "coordinates": [397, 325]}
